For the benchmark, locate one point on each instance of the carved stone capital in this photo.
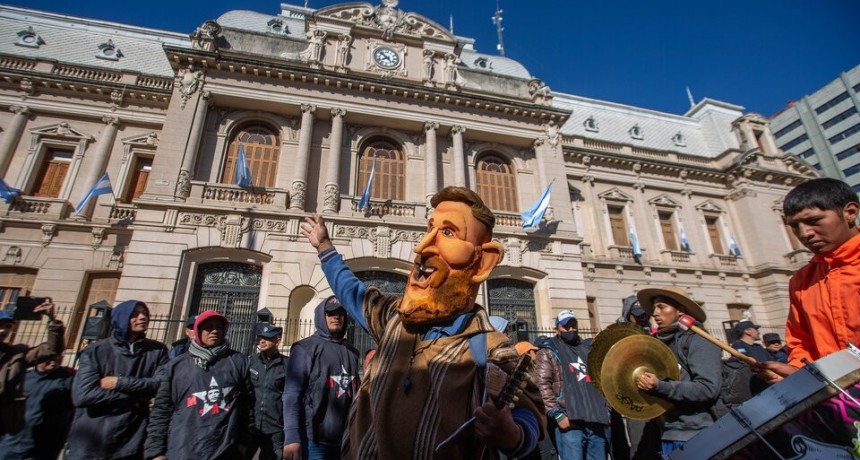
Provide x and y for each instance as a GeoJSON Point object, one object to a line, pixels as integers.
{"type": "Point", "coordinates": [183, 184]}
{"type": "Point", "coordinates": [98, 237]}
{"type": "Point", "coordinates": [110, 121]}
{"type": "Point", "coordinates": [48, 231]}
{"type": "Point", "coordinates": [297, 195]}
{"type": "Point", "coordinates": [19, 109]}
{"type": "Point", "coordinates": [431, 126]}
{"type": "Point", "coordinates": [308, 108]}
{"type": "Point", "coordinates": [338, 113]}
{"type": "Point", "coordinates": [457, 130]}
{"type": "Point", "coordinates": [331, 198]}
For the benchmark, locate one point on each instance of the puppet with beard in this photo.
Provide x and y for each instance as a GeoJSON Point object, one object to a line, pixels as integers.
{"type": "Point", "coordinates": [424, 379]}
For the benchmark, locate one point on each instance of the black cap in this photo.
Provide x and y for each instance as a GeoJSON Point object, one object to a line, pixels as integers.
{"type": "Point", "coordinates": [332, 304]}
{"type": "Point", "coordinates": [744, 325]}
{"type": "Point", "coordinates": [771, 337]}
{"type": "Point", "coordinates": [268, 331]}
{"type": "Point", "coordinates": [189, 323]}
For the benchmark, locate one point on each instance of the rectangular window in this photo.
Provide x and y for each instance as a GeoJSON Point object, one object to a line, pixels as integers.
{"type": "Point", "coordinates": [842, 116]}
{"type": "Point", "coordinates": [857, 88]}
{"type": "Point", "coordinates": [53, 173]}
{"type": "Point", "coordinates": [667, 228]}
{"type": "Point", "coordinates": [797, 140]}
{"type": "Point", "coordinates": [845, 134]}
{"type": "Point", "coordinates": [139, 176]}
{"type": "Point", "coordinates": [618, 224]}
{"type": "Point", "coordinates": [713, 225]}
{"type": "Point", "coordinates": [848, 152]}
{"type": "Point", "coordinates": [736, 311]}
{"type": "Point", "coordinates": [99, 286]}
{"type": "Point", "coordinates": [806, 153]}
{"type": "Point", "coordinates": [850, 171]}
{"type": "Point", "coordinates": [823, 107]}
{"type": "Point", "coordinates": [787, 129]}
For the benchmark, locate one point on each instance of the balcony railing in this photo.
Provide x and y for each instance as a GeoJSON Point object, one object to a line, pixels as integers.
{"type": "Point", "coordinates": [672, 256]}
{"type": "Point", "coordinates": [384, 208]}
{"type": "Point", "coordinates": [508, 219]}
{"type": "Point", "coordinates": [215, 194]}
{"type": "Point", "coordinates": [622, 252]}
{"type": "Point", "coordinates": [798, 257]}
{"type": "Point", "coordinates": [123, 212]}
{"type": "Point", "coordinates": [52, 208]}
{"type": "Point", "coordinates": [725, 260]}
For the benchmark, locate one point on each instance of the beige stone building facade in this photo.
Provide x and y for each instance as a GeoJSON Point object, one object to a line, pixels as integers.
{"type": "Point", "coordinates": [315, 99]}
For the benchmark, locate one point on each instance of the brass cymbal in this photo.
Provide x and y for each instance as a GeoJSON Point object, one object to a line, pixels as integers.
{"type": "Point", "coordinates": [603, 342]}
{"type": "Point", "coordinates": [624, 363]}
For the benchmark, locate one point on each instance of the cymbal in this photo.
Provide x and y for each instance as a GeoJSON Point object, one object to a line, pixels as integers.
{"type": "Point", "coordinates": [603, 342]}
{"type": "Point", "coordinates": [624, 363]}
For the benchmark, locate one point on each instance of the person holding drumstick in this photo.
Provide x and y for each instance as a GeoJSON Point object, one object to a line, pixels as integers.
{"type": "Point", "coordinates": [824, 314]}
{"type": "Point", "coordinates": [696, 392]}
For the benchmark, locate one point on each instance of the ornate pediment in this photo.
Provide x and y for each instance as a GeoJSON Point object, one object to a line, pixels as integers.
{"type": "Point", "coordinates": [614, 194]}
{"type": "Point", "coordinates": [144, 141]}
{"type": "Point", "coordinates": [386, 18]}
{"type": "Point", "coordinates": [664, 201]}
{"type": "Point", "coordinates": [709, 206]}
{"type": "Point", "coordinates": [60, 130]}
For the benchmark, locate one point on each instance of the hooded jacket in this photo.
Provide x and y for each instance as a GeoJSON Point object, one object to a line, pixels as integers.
{"type": "Point", "coordinates": [202, 414]}
{"type": "Point", "coordinates": [111, 424]}
{"type": "Point", "coordinates": [322, 380]}
{"type": "Point", "coordinates": [567, 388]}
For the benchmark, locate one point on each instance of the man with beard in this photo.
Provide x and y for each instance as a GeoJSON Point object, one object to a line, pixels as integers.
{"type": "Point", "coordinates": [204, 408]}
{"type": "Point", "coordinates": [579, 413]}
{"type": "Point", "coordinates": [113, 386]}
{"type": "Point", "coordinates": [424, 380]}
{"type": "Point", "coordinates": [322, 379]}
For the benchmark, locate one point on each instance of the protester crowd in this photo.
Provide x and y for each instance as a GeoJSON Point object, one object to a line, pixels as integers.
{"type": "Point", "coordinates": [426, 390]}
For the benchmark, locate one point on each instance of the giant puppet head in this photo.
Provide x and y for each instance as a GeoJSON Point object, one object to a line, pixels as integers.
{"type": "Point", "coordinates": [452, 260]}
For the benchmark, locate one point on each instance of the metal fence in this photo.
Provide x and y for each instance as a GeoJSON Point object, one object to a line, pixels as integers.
{"type": "Point", "coordinates": [242, 338]}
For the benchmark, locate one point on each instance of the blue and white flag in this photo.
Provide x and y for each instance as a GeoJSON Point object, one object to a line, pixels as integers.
{"type": "Point", "coordinates": [8, 193]}
{"type": "Point", "coordinates": [365, 197]}
{"type": "Point", "coordinates": [733, 246]}
{"type": "Point", "coordinates": [634, 242]}
{"type": "Point", "coordinates": [242, 175]}
{"type": "Point", "coordinates": [685, 244]}
{"type": "Point", "coordinates": [533, 215]}
{"type": "Point", "coordinates": [100, 188]}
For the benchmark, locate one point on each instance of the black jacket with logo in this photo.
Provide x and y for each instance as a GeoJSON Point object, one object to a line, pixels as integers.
{"type": "Point", "coordinates": [268, 376]}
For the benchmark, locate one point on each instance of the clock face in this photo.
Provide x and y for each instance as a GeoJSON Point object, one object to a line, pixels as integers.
{"type": "Point", "coordinates": [386, 58]}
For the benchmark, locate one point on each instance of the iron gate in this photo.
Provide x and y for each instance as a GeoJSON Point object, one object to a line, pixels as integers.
{"type": "Point", "coordinates": [232, 290]}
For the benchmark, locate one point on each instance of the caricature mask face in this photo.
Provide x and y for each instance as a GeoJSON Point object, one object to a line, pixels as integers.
{"type": "Point", "coordinates": [450, 265]}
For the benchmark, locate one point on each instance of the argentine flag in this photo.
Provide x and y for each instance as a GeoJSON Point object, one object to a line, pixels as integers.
{"type": "Point", "coordinates": [365, 197]}
{"type": "Point", "coordinates": [242, 175]}
{"type": "Point", "coordinates": [100, 188]}
{"type": "Point", "coordinates": [634, 243]}
{"type": "Point", "coordinates": [8, 193]}
{"type": "Point", "coordinates": [685, 244]}
{"type": "Point", "coordinates": [533, 215]}
{"type": "Point", "coordinates": [733, 246]}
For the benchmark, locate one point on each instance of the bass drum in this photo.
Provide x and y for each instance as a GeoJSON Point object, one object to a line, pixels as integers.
{"type": "Point", "coordinates": [801, 417]}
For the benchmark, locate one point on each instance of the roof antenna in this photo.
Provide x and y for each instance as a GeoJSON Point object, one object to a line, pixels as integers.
{"type": "Point", "coordinates": [690, 97]}
{"type": "Point", "coordinates": [497, 20]}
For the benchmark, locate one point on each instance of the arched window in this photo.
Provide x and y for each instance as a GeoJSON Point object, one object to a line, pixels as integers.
{"type": "Point", "coordinates": [389, 178]}
{"type": "Point", "coordinates": [261, 148]}
{"type": "Point", "coordinates": [496, 183]}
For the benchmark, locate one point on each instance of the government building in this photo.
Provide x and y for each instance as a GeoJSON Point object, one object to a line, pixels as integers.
{"type": "Point", "coordinates": [316, 98]}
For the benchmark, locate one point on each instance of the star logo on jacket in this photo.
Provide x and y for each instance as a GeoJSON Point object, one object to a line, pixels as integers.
{"type": "Point", "coordinates": [215, 399]}
{"type": "Point", "coordinates": [579, 370]}
{"type": "Point", "coordinates": [342, 383]}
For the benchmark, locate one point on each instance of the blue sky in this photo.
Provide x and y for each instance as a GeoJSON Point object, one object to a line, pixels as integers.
{"type": "Point", "coordinates": [760, 54]}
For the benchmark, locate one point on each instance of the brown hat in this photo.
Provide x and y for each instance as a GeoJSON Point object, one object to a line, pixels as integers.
{"type": "Point", "coordinates": [524, 347]}
{"type": "Point", "coordinates": [678, 294]}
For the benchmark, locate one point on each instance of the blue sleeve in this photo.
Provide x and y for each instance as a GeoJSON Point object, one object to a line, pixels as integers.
{"type": "Point", "coordinates": [529, 424]}
{"type": "Point", "coordinates": [298, 372]}
{"type": "Point", "coordinates": [348, 289]}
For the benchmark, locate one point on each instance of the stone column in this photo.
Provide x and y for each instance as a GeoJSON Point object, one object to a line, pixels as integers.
{"type": "Point", "coordinates": [332, 186]}
{"type": "Point", "coordinates": [13, 135]}
{"type": "Point", "coordinates": [431, 174]}
{"type": "Point", "coordinates": [100, 160]}
{"type": "Point", "coordinates": [459, 157]}
{"type": "Point", "coordinates": [300, 180]}
{"type": "Point", "coordinates": [189, 158]}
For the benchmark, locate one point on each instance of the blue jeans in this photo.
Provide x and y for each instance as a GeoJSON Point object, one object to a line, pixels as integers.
{"type": "Point", "coordinates": [322, 451]}
{"type": "Point", "coordinates": [583, 441]}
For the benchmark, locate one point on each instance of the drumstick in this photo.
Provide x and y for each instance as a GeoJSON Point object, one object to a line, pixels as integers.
{"type": "Point", "coordinates": [686, 323]}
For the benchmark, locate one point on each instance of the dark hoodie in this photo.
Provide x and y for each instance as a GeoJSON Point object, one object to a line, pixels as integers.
{"type": "Point", "coordinates": [202, 414]}
{"type": "Point", "coordinates": [112, 423]}
{"type": "Point", "coordinates": [322, 379]}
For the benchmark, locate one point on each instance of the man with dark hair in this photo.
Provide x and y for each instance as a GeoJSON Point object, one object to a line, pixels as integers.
{"type": "Point", "coordinates": [433, 343]}
{"type": "Point", "coordinates": [747, 342]}
{"type": "Point", "coordinates": [48, 392]}
{"type": "Point", "coordinates": [204, 408]}
{"type": "Point", "coordinates": [181, 346]}
{"type": "Point", "coordinates": [579, 412]}
{"type": "Point", "coordinates": [14, 361]}
{"type": "Point", "coordinates": [824, 312]}
{"type": "Point", "coordinates": [113, 386]}
{"type": "Point", "coordinates": [268, 374]}
{"type": "Point", "coordinates": [322, 381]}
{"type": "Point", "coordinates": [773, 345]}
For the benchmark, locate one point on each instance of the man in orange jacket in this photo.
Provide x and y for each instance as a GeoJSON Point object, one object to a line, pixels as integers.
{"type": "Point", "coordinates": [825, 294]}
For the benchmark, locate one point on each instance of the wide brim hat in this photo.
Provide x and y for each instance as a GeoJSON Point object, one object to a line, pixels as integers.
{"type": "Point", "coordinates": [678, 294]}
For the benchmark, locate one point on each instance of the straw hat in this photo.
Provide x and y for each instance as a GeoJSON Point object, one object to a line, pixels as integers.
{"type": "Point", "coordinates": [679, 295]}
